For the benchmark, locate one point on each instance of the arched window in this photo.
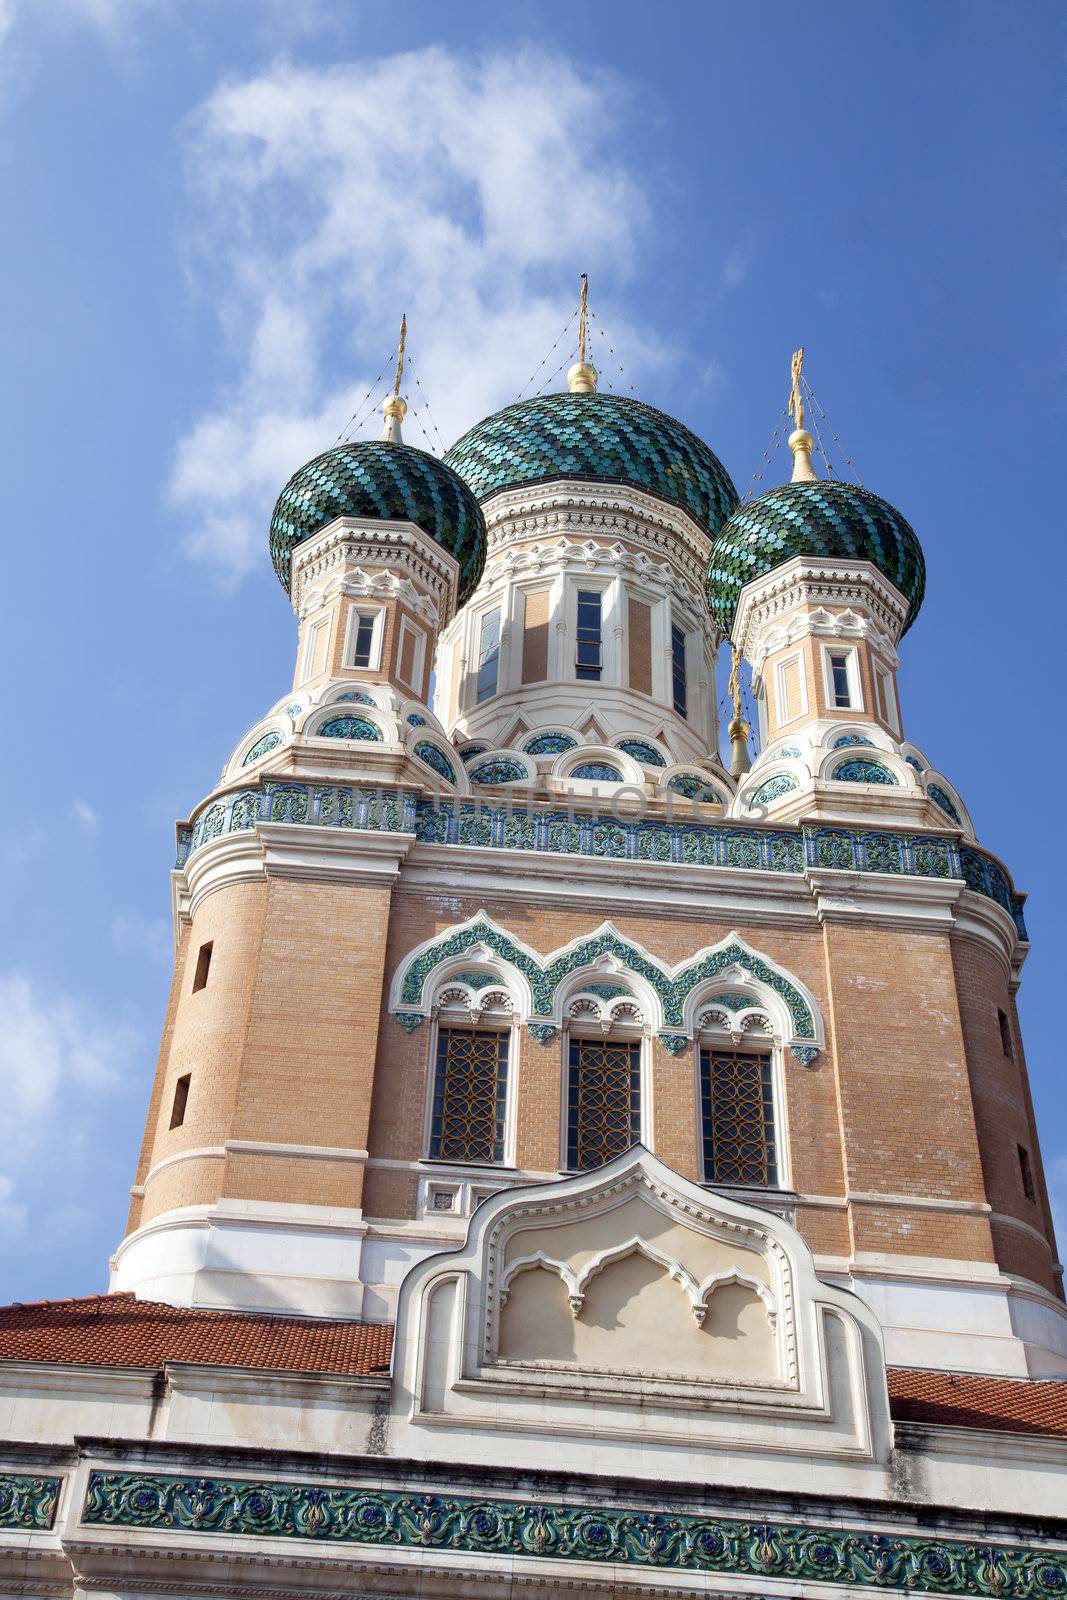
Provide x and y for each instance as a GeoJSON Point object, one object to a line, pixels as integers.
{"type": "Point", "coordinates": [468, 1113]}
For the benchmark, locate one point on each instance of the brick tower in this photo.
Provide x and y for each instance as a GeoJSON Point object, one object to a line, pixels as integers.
{"type": "Point", "coordinates": [668, 1124]}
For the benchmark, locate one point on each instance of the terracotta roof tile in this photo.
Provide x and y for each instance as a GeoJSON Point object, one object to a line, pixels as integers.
{"type": "Point", "coordinates": [965, 1400]}
{"type": "Point", "coordinates": [118, 1330]}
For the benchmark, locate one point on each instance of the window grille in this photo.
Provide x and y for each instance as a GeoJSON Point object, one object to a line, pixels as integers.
{"type": "Point", "coordinates": [470, 1095]}
{"type": "Point", "coordinates": [603, 1101]}
{"type": "Point", "coordinates": [737, 1115]}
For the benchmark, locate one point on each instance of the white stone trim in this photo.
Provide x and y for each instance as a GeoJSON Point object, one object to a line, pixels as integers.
{"type": "Point", "coordinates": [819, 581]}
{"type": "Point", "coordinates": [349, 544]}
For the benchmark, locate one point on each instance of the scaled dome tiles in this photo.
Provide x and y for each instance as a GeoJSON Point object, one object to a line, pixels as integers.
{"type": "Point", "coordinates": [597, 436]}
{"type": "Point", "coordinates": [386, 481]}
{"type": "Point", "coordinates": [827, 518]}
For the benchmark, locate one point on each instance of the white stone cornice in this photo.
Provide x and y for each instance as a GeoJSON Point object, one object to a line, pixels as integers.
{"type": "Point", "coordinates": [985, 922]}
{"type": "Point", "coordinates": [819, 581]}
{"type": "Point", "coordinates": [822, 624]}
{"type": "Point", "coordinates": [921, 903]}
{"type": "Point", "coordinates": [286, 850]}
{"type": "Point", "coordinates": [349, 542]}
{"type": "Point", "coordinates": [386, 583]}
{"type": "Point", "coordinates": [577, 511]}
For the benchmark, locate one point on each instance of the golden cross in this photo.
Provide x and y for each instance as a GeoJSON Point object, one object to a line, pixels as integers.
{"type": "Point", "coordinates": [796, 399]}
{"type": "Point", "coordinates": [400, 354]}
{"type": "Point", "coordinates": [581, 316]}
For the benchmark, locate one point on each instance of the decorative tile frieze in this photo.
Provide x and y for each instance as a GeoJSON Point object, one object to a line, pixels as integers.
{"type": "Point", "coordinates": [674, 1043]}
{"type": "Point", "coordinates": [721, 844]}
{"type": "Point", "coordinates": [321, 805]}
{"type": "Point", "coordinates": [545, 975]}
{"type": "Point", "coordinates": [28, 1502]}
{"type": "Point", "coordinates": [797, 1552]}
{"type": "Point", "coordinates": [859, 771]}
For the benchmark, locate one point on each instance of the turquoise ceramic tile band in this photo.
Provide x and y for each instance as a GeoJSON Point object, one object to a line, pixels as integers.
{"type": "Point", "coordinates": [605, 1535]}
{"type": "Point", "coordinates": [28, 1502]}
{"type": "Point", "coordinates": [723, 844]}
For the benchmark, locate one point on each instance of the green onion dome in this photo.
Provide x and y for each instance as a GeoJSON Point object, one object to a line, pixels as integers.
{"type": "Point", "coordinates": [381, 479]}
{"type": "Point", "coordinates": [604, 437]}
{"type": "Point", "coordinates": [818, 518]}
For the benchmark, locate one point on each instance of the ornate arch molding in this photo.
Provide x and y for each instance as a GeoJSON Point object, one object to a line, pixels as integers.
{"type": "Point", "coordinates": [675, 992]}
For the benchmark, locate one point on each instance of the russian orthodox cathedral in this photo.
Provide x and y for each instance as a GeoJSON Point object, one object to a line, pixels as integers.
{"type": "Point", "coordinates": [574, 1162]}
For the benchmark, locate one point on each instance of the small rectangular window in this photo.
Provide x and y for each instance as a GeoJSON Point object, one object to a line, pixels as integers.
{"type": "Point", "coordinates": [678, 686]}
{"type": "Point", "coordinates": [203, 967]}
{"type": "Point", "coordinates": [588, 662]}
{"type": "Point", "coordinates": [489, 654]}
{"type": "Point", "coordinates": [839, 679]}
{"type": "Point", "coordinates": [1005, 1034]}
{"type": "Point", "coordinates": [181, 1100]}
{"type": "Point", "coordinates": [470, 1096]}
{"type": "Point", "coordinates": [363, 639]}
{"type": "Point", "coordinates": [737, 1119]}
{"type": "Point", "coordinates": [1026, 1173]}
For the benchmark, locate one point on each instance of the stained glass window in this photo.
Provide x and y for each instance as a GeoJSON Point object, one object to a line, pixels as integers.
{"type": "Point", "coordinates": [603, 1101]}
{"type": "Point", "coordinates": [469, 1095]}
{"type": "Point", "coordinates": [737, 1118]}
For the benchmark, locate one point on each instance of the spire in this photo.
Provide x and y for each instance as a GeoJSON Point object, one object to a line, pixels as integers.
{"type": "Point", "coordinates": [738, 729]}
{"type": "Point", "coordinates": [581, 379]}
{"type": "Point", "coordinates": [800, 440]}
{"type": "Point", "coordinates": [395, 409]}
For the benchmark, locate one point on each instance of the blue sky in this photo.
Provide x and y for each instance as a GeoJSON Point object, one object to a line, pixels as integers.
{"type": "Point", "coordinates": [215, 215]}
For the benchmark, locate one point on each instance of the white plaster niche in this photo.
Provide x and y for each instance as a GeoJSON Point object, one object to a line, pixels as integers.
{"type": "Point", "coordinates": [676, 1313]}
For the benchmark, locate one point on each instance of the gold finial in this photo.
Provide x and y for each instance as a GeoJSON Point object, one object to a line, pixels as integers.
{"type": "Point", "coordinates": [800, 440]}
{"type": "Point", "coordinates": [738, 729]}
{"type": "Point", "coordinates": [581, 379]}
{"type": "Point", "coordinates": [395, 409]}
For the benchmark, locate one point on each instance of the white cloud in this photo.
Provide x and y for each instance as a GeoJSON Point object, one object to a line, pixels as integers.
{"type": "Point", "coordinates": [85, 814]}
{"type": "Point", "coordinates": [735, 271]}
{"type": "Point", "coordinates": [58, 1058]}
{"type": "Point", "coordinates": [470, 194]}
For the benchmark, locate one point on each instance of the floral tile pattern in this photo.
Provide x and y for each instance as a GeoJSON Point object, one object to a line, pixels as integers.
{"type": "Point", "coordinates": [492, 826]}
{"type": "Point", "coordinates": [923, 1562]}
{"type": "Point", "coordinates": [28, 1501]}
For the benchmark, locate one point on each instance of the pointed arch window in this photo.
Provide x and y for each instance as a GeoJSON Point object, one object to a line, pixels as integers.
{"type": "Point", "coordinates": [738, 1135]}
{"type": "Point", "coordinates": [468, 1114]}
{"type": "Point", "coordinates": [603, 1100]}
